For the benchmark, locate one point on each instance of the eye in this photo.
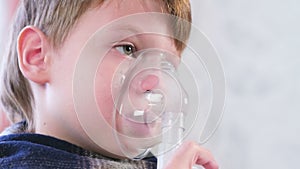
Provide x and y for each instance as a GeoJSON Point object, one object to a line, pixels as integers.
{"type": "Point", "coordinates": [126, 49]}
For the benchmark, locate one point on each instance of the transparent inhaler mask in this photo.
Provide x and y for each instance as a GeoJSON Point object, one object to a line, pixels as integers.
{"type": "Point", "coordinates": [159, 99]}
{"type": "Point", "coordinates": [150, 104]}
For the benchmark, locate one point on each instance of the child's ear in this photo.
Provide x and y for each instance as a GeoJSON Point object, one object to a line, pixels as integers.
{"type": "Point", "coordinates": [33, 54]}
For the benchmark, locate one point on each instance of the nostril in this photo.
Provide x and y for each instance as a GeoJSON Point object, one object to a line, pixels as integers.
{"type": "Point", "coordinates": [150, 82]}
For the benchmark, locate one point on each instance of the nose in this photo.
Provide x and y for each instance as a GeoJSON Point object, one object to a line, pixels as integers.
{"type": "Point", "coordinates": [149, 82]}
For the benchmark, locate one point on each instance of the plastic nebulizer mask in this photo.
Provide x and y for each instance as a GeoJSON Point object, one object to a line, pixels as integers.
{"type": "Point", "coordinates": [159, 99]}
{"type": "Point", "coordinates": [150, 103]}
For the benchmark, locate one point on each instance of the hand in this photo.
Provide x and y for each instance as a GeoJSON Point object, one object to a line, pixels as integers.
{"type": "Point", "coordinates": [190, 154]}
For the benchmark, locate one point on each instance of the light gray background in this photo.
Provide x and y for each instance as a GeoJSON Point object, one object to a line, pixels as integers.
{"type": "Point", "coordinates": [259, 45]}
{"type": "Point", "coordinates": [3, 26]}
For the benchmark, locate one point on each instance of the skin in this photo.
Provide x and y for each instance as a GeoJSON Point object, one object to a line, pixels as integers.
{"type": "Point", "coordinates": [50, 72]}
{"type": "Point", "coordinates": [3, 120]}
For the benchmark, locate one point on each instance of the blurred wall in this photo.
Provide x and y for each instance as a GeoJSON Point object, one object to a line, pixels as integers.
{"type": "Point", "coordinates": [3, 28]}
{"type": "Point", "coordinates": [259, 45]}
{"type": "Point", "coordinates": [7, 10]}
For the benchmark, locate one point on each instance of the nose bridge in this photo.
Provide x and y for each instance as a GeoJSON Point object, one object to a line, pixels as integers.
{"type": "Point", "coordinates": [151, 70]}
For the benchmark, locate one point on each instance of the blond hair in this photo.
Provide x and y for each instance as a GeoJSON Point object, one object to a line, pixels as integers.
{"type": "Point", "coordinates": [51, 17]}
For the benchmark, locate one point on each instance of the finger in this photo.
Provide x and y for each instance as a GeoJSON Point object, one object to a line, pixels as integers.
{"type": "Point", "coordinates": [191, 153]}
{"type": "Point", "coordinates": [205, 158]}
{"type": "Point", "coordinates": [200, 155]}
{"type": "Point", "coordinates": [211, 165]}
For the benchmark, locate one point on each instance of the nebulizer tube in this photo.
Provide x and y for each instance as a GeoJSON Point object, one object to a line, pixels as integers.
{"type": "Point", "coordinates": [172, 135]}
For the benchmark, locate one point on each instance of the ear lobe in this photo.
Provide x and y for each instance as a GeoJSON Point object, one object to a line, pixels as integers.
{"type": "Point", "coordinates": [33, 51]}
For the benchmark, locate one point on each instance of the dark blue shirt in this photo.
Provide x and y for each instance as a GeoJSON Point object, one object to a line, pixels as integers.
{"type": "Point", "coordinates": [34, 151]}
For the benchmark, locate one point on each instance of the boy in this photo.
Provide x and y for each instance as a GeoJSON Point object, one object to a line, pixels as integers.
{"type": "Point", "coordinates": [46, 42]}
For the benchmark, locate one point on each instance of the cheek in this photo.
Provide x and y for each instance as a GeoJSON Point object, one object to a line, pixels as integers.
{"type": "Point", "coordinates": [104, 97]}
{"type": "Point", "coordinates": [103, 86]}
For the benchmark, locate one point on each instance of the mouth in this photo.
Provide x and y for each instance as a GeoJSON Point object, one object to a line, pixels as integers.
{"type": "Point", "coordinates": [139, 126]}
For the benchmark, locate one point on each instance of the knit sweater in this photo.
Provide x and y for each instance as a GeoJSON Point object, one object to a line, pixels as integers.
{"type": "Point", "coordinates": [34, 151]}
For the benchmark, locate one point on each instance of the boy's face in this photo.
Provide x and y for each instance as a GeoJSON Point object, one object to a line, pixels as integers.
{"type": "Point", "coordinates": [61, 105]}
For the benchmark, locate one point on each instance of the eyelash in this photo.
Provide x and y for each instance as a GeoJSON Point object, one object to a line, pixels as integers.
{"type": "Point", "coordinates": [126, 49]}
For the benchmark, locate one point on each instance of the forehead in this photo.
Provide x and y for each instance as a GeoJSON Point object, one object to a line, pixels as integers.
{"type": "Point", "coordinates": [127, 16]}
{"type": "Point", "coordinates": [136, 16]}
{"type": "Point", "coordinates": [114, 9]}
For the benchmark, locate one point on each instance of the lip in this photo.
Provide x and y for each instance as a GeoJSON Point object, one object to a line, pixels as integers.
{"type": "Point", "coordinates": [132, 128]}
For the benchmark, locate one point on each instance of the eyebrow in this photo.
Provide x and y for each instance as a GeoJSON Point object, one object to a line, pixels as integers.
{"type": "Point", "coordinates": [130, 31]}
{"type": "Point", "coordinates": [128, 28]}
{"type": "Point", "coordinates": [127, 32]}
